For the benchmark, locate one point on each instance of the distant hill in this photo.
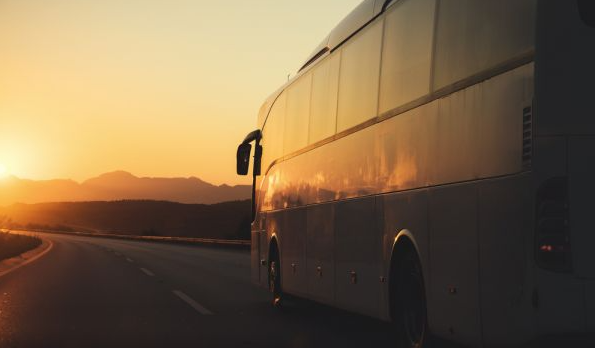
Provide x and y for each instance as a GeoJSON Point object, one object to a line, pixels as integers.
{"type": "Point", "coordinates": [229, 220]}
{"type": "Point", "coordinates": [119, 185]}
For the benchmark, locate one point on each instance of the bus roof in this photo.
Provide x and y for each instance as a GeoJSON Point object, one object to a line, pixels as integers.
{"type": "Point", "coordinates": [358, 18]}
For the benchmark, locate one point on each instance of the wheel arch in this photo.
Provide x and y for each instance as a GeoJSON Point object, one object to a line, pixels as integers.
{"type": "Point", "coordinates": [404, 236]}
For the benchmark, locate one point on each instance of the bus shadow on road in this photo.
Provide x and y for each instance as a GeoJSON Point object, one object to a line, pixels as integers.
{"type": "Point", "coordinates": [316, 325]}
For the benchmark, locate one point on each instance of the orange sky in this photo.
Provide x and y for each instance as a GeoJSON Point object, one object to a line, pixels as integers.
{"type": "Point", "coordinates": [154, 87]}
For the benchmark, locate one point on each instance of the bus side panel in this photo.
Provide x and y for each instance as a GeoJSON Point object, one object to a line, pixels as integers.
{"type": "Point", "coordinates": [454, 283]}
{"type": "Point", "coordinates": [357, 241]}
{"type": "Point", "coordinates": [320, 255]}
{"type": "Point", "coordinates": [292, 244]}
{"type": "Point", "coordinates": [264, 255]}
{"type": "Point", "coordinates": [505, 222]}
{"type": "Point", "coordinates": [343, 169]}
{"type": "Point", "coordinates": [581, 173]}
{"type": "Point", "coordinates": [405, 211]}
{"type": "Point", "coordinates": [255, 256]}
{"type": "Point", "coordinates": [256, 230]}
{"type": "Point", "coordinates": [581, 178]}
{"type": "Point", "coordinates": [565, 52]}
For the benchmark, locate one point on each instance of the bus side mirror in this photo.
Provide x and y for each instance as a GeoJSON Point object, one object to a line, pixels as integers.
{"type": "Point", "coordinates": [243, 158]}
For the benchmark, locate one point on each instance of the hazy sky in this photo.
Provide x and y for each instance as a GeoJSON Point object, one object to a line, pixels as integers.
{"type": "Point", "coordinates": [154, 87]}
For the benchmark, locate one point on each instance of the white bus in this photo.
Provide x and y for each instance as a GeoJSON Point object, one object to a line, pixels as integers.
{"type": "Point", "coordinates": [433, 164]}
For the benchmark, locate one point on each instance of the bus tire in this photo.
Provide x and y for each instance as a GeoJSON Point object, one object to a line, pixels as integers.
{"type": "Point", "coordinates": [408, 300]}
{"type": "Point", "coordinates": [275, 276]}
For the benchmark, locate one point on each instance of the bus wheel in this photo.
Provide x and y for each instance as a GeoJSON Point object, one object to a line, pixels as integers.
{"type": "Point", "coordinates": [409, 304]}
{"type": "Point", "coordinates": [275, 279]}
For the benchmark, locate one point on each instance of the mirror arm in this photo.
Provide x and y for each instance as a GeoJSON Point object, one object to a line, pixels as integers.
{"type": "Point", "coordinates": [257, 158]}
{"type": "Point", "coordinates": [255, 135]}
{"type": "Point", "coordinates": [256, 172]}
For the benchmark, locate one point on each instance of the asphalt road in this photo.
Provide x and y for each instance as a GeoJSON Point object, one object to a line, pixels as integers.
{"type": "Point", "coordinates": [94, 292]}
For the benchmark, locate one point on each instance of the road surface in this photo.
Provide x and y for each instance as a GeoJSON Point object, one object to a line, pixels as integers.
{"type": "Point", "coordinates": [95, 292]}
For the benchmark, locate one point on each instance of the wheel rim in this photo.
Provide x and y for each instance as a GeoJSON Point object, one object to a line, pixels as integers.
{"type": "Point", "coordinates": [274, 283]}
{"type": "Point", "coordinates": [411, 304]}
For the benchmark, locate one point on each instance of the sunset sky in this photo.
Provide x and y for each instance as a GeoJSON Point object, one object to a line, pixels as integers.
{"type": "Point", "coordinates": [153, 87]}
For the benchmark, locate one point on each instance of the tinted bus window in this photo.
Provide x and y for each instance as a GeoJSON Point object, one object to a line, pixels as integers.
{"type": "Point", "coordinates": [475, 35]}
{"type": "Point", "coordinates": [358, 82]}
{"type": "Point", "coordinates": [298, 114]}
{"type": "Point", "coordinates": [323, 111]}
{"type": "Point", "coordinates": [407, 53]}
{"type": "Point", "coordinates": [272, 137]}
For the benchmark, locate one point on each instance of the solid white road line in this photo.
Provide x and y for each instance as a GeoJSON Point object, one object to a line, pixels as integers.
{"type": "Point", "coordinates": [147, 272]}
{"type": "Point", "coordinates": [51, 245]}
{"type": "Point", "coordinates": [199, 308]}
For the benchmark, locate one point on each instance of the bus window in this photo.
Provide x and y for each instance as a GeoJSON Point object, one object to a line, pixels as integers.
{"type": "Point", "coordinates": [323, 111]}
{"type": "Point", "coordinates": [407, 53]}
{"type": "Point", "coordinates": [475, 35]}
{"type": "Point", "coordinates": [358, 82]}
{"type": "Point", "coordinates": [298, 114]}
{"type": "Point", "coordinates": [272, 137]}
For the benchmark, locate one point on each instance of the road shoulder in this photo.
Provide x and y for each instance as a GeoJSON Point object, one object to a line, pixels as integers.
{"type": "Point", "coordinates": [9, 265]}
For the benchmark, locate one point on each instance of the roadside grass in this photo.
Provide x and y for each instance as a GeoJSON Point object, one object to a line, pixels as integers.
{"type": "Point", "coordinates": [12, 245]}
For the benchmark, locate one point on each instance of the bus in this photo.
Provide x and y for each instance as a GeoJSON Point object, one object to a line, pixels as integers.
{"type": "Point", "coordinates": [433, 164]}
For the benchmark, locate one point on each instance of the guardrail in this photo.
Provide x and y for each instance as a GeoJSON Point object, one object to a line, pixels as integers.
{"type": "Point", "coordinates": [177, 240]}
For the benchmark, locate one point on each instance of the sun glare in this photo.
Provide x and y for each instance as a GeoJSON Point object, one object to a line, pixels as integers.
{"type": "Point", "coordinates": [3, 171]}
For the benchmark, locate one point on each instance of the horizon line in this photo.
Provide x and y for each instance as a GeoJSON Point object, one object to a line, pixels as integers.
{"type": "Point", "coordinates": [80, 182]}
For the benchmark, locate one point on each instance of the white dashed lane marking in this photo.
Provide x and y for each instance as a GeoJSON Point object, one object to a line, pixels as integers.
{"type": "Point", "coordinates": [129, 260]}
{"type": "Point", "coordinates": [147, 272]}
{"type": "Point", "coordinates": [197, 306]}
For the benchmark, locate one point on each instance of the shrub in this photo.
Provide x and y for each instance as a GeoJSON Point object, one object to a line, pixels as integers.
{"type": "Point", "coordinates": [12, 245]}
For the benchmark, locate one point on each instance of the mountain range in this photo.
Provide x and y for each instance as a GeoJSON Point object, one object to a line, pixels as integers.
{"type": "Point", "coordinates": [116, 186]}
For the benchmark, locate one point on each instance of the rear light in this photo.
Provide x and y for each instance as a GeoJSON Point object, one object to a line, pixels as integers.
{"type": "Point", "coordinates": [552, 226]}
